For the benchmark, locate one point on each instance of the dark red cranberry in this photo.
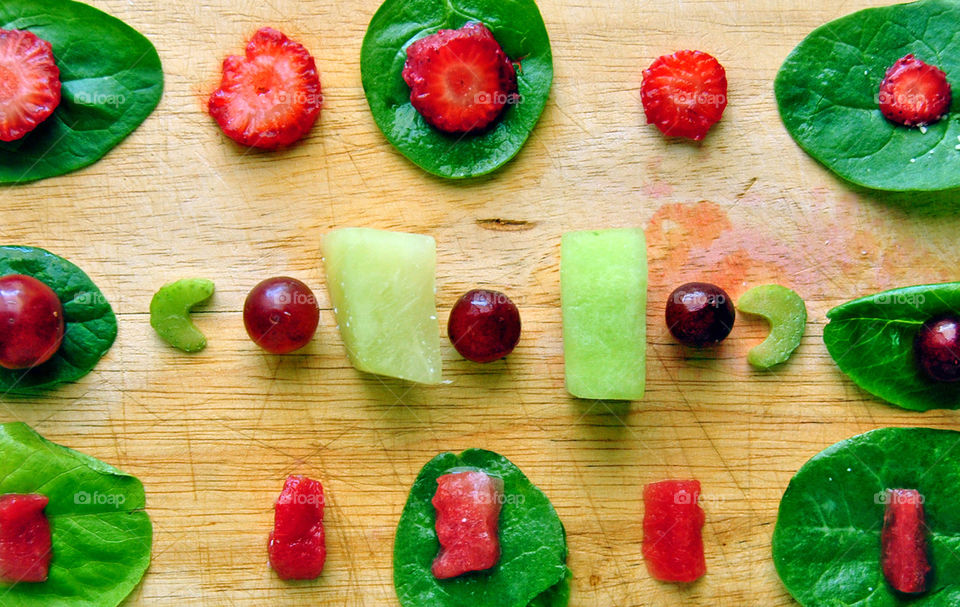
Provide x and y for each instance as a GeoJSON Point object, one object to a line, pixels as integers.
{"type": "Point", "coordinates": [700, 314]}
{"type": "Point", "coordinates": [281, 315]}
{"type": "Point", "coordinates": [484, 325]}
{"type": "Point", "coordinates": [937, 347]}
{"type": "Point", "coordinates": [31, 322]}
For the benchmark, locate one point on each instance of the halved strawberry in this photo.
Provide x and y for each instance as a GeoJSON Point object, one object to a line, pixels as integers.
{"type": "Point", "coordinates": [914, 93]}
{"type": "Point", "coordinates": [684, 94]}
{"type": "Point", "coordinates": [460, 80]}
{"type": "Point", "coordinates": [29, 83]}
{"type": "Point", "coordinates": [270, 97]}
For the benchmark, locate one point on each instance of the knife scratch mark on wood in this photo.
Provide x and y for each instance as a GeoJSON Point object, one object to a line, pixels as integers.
{"type": "Point", "coordinates": [747, 188]}
{"type": "Point", "coordinates": [499, 224]}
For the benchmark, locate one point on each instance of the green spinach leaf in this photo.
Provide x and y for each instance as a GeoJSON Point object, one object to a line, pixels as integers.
{"type": "Point", "coordinates": [517, 26]}
{"type": "Point", "coordinates": [532, 571]}
{"type": "Point", "coordinates": [826, 545]}
{"type": "Point", "coordinates": [91, 325]}
{"type": "Point", "coordinates": [101, 534]}
{"type": "Point", "coordinates": [828, 89]}
{"type": "Point", "coordinates": [871, 340]}
{"type": "Point", "coordinates": [112, 80]}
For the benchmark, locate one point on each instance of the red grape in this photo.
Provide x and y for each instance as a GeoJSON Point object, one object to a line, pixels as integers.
{"type": "Point", "coordinates": [484, 325]}
{"type": "Point", "coordinates": [700, 314]}
{"type": "Point", "coordinates": [281, 315]}
{"type": "Point", "coordinates": [937, 347]}
{"type": "Point", "coordinates": [31, 322]}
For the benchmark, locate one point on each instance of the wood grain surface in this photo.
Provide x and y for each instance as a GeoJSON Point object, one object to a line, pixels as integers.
{"type": "Point", "coordinates": [214, 434]}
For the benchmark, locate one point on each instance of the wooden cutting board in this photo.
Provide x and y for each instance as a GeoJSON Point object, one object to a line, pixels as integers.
{"type": "Point", "coordinates": [213, 435]}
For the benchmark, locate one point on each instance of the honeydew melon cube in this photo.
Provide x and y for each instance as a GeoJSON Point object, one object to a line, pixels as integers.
{"type": "Point", "coordinates": [603, 290]}
{"type": "Point", "coordinates": [382, 286]}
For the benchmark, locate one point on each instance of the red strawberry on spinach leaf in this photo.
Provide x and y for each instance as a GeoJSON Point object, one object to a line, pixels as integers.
{"type": "Point", "coordinates": [914, 93]}
{"type": "Point", "coordinates": [29, 83]}
{"type": "Point", "coordinates": [460, 80]}
{"type": "Point", "coordinates": [684, 94]}
{"type": "Point", "coordinates": [270, 97]}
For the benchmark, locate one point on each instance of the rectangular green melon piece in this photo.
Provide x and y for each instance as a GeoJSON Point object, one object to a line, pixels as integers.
{"type": "Point", "coordinates": [603, 290]}
{"type": "Point", "coordinates": [382, 285]}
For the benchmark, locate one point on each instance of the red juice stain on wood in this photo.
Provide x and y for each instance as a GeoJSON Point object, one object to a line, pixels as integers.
{"type": "Point", "coordinates": [676, 229]}
{"type": "Point", "coordinates": [657, 189]}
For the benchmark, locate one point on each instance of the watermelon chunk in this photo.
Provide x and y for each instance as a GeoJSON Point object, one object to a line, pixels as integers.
{"type": "Point", "coordinates": [673, 531]}
{"type": "Point", "coordinates": [904, 542]}
{"type": "Point", "coordinates": [25, 539]}
{"type": "Point", "coordinates": [468, 507]}
{"type": "Point", "coordinates": [297, 543]}
{"type": "Point", "coordinates": [382, 285]}
{"type": "Point", "coordinates": [603, 284]}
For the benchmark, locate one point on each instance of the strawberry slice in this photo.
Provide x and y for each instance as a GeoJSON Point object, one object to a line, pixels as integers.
{"type": "Point", "coordinates": [684, 94]}
{"type": "Point", "coordinates": [25, 539]}
{"type": "Point", "coordinates": [904, 542]}
{"type": "Point", "coordinates": [271, 97]}
{"type": "Point", "coordinates": [914, 93]}
{"type": "Point", "coordinates": [460, 80]}
{"type": "Point", "coordinates": [29, 83]}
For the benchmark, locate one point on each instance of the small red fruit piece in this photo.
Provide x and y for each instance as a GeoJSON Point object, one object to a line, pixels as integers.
{"type": "Point", "coordinates": [905, 563]}
{"type": "Point", "coordinates": [31, 322]}
{"type": "Point", "coordinates": [460, 80]}
{"type": "Point", "coordinates": [700, 314]}
{"type": "Point", "coordinates": [297, 544]}
{"type": "Point", "coordinates": [914, 93]}
{"type": "Point", "coordinates": [29, 83]}
{"type": "Point", "coordinates": [468, 512]}
{"type": "Point", "coordinates": [672, 531]}
{"type": "Point", "coordinates": [484, 325]}
{"type": "Point", "coordinates": [684, 94]}
{"type": "Point", "coordinates": [271, 97]}
{"type": "Point", "coordinates": [25, 540]}
{"type": "Point", "coordinates": [937, 348]}
{"type": "Point", "coordinates": [281, 315]}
